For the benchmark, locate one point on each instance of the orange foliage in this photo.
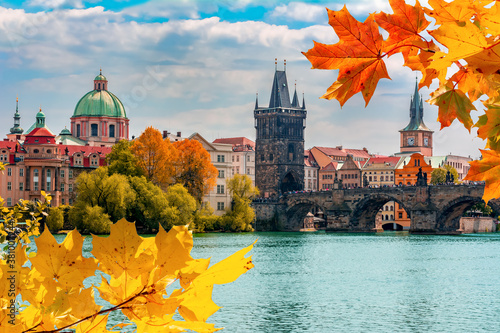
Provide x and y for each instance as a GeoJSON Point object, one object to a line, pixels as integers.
{"type": "Point", "coordinates": [462, 53]}
{"type": "Point", "coordinates": [156, 157]}
{"type": "Point", "coordinates": [195, 170]}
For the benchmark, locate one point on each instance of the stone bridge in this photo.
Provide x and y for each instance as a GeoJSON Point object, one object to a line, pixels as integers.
{"type": "Point", "coordinates": [432, 209]}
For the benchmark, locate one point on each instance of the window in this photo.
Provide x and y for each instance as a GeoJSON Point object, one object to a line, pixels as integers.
{"type": "Point", "coordinates": [400, 215]}
{"type": "Point", "coordinates": [220, 206]}
{"type": "Point", "coordinates": [21, 186]}
{"type": "Point", "coordinates": [9, 171]}
{"type": "Point", "coordinates": [370, 178]}
{"type": "Point", "coordinates": [221, 173]}
{"type": "Point", "coordinates": [63, 201]}
{"type": "Point", "coordinates": [220, 158]}
{"type": "Point", "coordinates": [9, 202]}
{"type": "Point", "coordinates": [21, 172]}
{"type": "Point", "coordinates": [9, 186]}
{"type": "Point", "coordinates": [248, 171]}
{"type": "Point", "coordinates": [49, 187]}
{"type": "Point", "coordinates": [70, 201]}
{"type": "Point", "coordinates": [232, 158]}
{"type": "Point", "coordinates": [78, 159]}
{"type": "Point", "coordinates": [248, 158]}
{"type": "Point", "coordinates": [237, 158]}
{"type": "Point", "coordinates": [70, 187]}
{"type": "Point", "coordinates": [94, 160]}
{"type": "Point", "coordinates": [36, 151]}
{"type": "Point", "coordinates": [220, 189]}
{"type": "Point", "coordinates": [35, 186]}
{"type": "Point", "coordinates": [62, 187]}
{"type": "Point", "coordinates": [111, 131]}
{"type": "Point", "coordinates": [62, 173]}
{"type": "Point", "coordinates": [271, 157]}
{"type": "Point", "coordinates": [77, 130]}
{"type": "Point", "coordinates": [93, 129]}
{"type": "Point", "coordinates": [262, 157]}
{"type": "Point", "coordinates": [375, 178]}
{"type": "Point", "coordinates": [70, 173]}
{"type": "Point", "coordinates": [238, 170]}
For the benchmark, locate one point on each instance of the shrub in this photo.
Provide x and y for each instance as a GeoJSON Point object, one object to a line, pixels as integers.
{"type": "Point", "coordinates": [55, 219]}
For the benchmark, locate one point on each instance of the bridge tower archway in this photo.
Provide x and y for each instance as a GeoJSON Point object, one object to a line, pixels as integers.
{"type": "Point", "coordinates": [290, 182]}
{"type": "Point", "coordinates": [363, 216]}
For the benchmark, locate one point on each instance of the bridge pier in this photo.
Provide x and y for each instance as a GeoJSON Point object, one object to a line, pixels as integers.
{"type": "Point", "coordinates": [424, 221]}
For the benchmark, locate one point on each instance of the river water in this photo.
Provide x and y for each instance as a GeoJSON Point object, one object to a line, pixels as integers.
{"type": "Point", "coordinates": [387, 282]}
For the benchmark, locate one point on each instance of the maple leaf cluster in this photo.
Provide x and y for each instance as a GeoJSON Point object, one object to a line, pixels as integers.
{"type": "Point", "coordinates": [140, 271]}
{"type": "Point", "coordinates": [460, 49]}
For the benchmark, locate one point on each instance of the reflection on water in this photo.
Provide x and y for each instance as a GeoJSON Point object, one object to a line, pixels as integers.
{"type": "Point", "coordinates": [388, 282]}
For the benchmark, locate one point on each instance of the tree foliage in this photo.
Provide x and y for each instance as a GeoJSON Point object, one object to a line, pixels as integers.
{"type": "Point", "coordinates": [241, 215]}
{"type": "Point", "coordinates": [156, 157]}
{"type": "Point", "coordinates": [194, 168]}
{"type": "Point", "coordinates": [461, 51]}
{"type": "Point", "coordinates": [111, 193]}
{"type": "Point", "coordinates": [140, 270]}
{"type": "Point", "coordinates": [438, 175]}
{"type": "Point", "coordinates": [121, 160]}
{"type": "Point", "coordinates": [183, 204]}
{"type": "Point", "coordinates": [55, 219]}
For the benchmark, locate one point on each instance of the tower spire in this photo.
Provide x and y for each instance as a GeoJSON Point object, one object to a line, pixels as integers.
{"type": "Point", "coordinates": [16, 129]}
{"type": "Point", "coordinates": [295, 100]}
{"type": "Point", "coordinates": [256, 100]}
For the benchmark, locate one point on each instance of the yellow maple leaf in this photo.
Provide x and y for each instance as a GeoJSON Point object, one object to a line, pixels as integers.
{"type": "Point", "coordinates": [63, 262]}
{"type": "Point", "coordinates": [487, 170]}
{"type": "Point", "coordinates": [450, 12]}
{"type": "Point", "coordinates": [97, 324]}
{"type": "Point", "coordinates": [122, 251]}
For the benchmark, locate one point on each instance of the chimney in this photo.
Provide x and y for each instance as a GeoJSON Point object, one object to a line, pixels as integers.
{"type": "Point", "coordinates": [178, 134]}
{"type": "Point", "coordinates": [165, 134]}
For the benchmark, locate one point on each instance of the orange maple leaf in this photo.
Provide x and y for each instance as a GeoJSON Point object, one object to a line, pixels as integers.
{"type": "Point", "coordinates": [453, 104]}
{"type": "Point", "coordinates": [455, 11]}
{"type": "Point", "coordinates": [487, 170]}
{"type": "Point", "coordinates": [403, 26]}
{"type": "Point", "coordinates": [421, 62]}
{"type": "Point", "coordinates": [357, 55]}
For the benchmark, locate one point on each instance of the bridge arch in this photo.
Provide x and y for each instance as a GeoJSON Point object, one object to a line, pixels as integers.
{"type": "Point", "coordinates": [290, 181]}
{"type": "Point", "coordinates": [363, 215]}
{"type": "Point", "coordinates": [449, 217]}
{"type": "Point", "coordinates": [298, 210]}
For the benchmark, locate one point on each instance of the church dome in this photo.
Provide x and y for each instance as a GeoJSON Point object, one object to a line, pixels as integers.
{"type": "Point", "coordinates": [100, 102]}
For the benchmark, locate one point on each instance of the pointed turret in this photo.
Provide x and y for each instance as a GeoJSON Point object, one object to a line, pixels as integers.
{"type": "Point", "coordinates": [416, 113]}
{"type": "Point", "coordinates": [303, 102]}
{"type": "Point", "coordinates": [280, 97]}
{"type": "Point", "coordinates": [256, 101]}
{"type": "Point", "coordinates": [295, 101]}
{"type": "Point", "coordinates": [17, 120]}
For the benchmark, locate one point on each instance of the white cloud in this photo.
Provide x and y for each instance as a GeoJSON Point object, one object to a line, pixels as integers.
{"type": "Point", "coordinates": [300, 11]}
{"type": "Point", "coordinates": [56, 3]}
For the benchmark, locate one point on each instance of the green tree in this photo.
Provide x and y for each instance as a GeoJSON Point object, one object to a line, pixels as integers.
{"type": "Point", "coordinates": [151, 206]}
{"type": "Point", "coordinates": [184, 204]}
{"type": "Point", "coordinates": [438, 176]}
{"type": "Point", "coordinates": [89, 219]}
{"type": "Point", "coordinates": [205, 220]}
{"type": "Point", "coordinates": [121, 160]}
{"type": "Point", "coordinates": [241, 215]}
{"type": "Point", "coordinates": [112, 193]}
{"type": "Point", "coordinates": [55, 220]}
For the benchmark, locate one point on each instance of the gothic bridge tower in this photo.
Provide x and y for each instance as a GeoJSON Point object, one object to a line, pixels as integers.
{"type": "Point", "coordinates": [416, 137]}
{"type": "Point", "coordinates": [279, 145]}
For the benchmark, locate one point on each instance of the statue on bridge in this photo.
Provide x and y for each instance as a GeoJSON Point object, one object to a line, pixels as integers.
{"type": "Point", "coordinates": [450, 178]}
{"type": "Point", "coordinates": [365, 180]}
{"type": "Point", "coordinates": [421, 178]}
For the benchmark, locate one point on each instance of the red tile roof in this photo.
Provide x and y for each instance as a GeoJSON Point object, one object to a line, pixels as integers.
{"type": "Point", "coordinates": [332, 166]}
{"type": "Point", "coordinates": [11, 146]}
{"type": "Point", "coordinates": [40, 131]}
{"type": "Point", "coordinates": [238, 141]}
{"type": "Point", "coordinates": [382, 160]}
{"type": "Point", "coordinates": [332, 151]}
{"type": "Point", "coordinates": [86, 150]}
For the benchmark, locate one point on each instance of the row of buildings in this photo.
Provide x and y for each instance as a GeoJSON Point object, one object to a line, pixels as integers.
{"type": "Point", "coordinates": [277, 162]}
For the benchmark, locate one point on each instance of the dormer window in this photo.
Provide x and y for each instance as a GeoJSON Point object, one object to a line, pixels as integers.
{"type": "Point", "coordinates": [78, 159]}
{"type": "Point", "coordinates": [94, 160]}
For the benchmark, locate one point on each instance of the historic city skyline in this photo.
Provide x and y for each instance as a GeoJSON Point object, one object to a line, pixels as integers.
{"type": "Point", "coordinates": [197, 70]}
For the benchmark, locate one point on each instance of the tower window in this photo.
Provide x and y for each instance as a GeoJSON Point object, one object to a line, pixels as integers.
{"type": "Point", "coordinates": [111, 131]}
{"type": "Point", "coordinates": [93, 130]}
{"type": "Point", "coordinates": [77, 130]}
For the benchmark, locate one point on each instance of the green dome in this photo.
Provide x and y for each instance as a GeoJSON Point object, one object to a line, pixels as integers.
{"type": "Point", "coordinates": [99, 103]}
{"type": "Point", "coordinates": [65, 131]}
{"type": "Point", "coordinates": [100, 77]}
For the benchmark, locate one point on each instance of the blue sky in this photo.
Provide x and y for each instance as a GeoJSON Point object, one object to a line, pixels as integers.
{"type": "Point", "coordinates": [196, 66]}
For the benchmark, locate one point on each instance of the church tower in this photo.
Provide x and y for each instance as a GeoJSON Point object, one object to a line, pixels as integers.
{"type": "Point", "coordinates": [16, 132]}
{"type": "Point", "coordinates": [416, 137]}
{"type": "Point", "coordinates": [279, 144]}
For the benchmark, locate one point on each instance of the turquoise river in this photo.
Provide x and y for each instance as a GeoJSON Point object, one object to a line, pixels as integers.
{"type": "Point", "coordinates": [387, 282]}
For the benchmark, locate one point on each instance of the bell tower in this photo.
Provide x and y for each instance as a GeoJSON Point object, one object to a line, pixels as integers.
{"type": "Point", "coordinates": [279, 144]}
{"type": "Point", "coordinates": [416, 137]}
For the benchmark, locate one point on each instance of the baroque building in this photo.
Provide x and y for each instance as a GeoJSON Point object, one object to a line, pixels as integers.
{"type": "Point", "coordinates": [279, 145]}
{"type": "Point", "coordinates": [416, 137]}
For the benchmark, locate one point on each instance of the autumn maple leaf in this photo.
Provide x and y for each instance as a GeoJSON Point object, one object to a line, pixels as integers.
{"type": "Point", "coordinates": [357, 55]}
{"type": "Point", "coordinates": [453, 104]}
{"type": "Point", "coordinates": [487, 170]}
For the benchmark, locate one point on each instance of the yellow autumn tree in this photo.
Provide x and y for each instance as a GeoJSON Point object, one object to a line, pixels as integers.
{"type": "Point", "coordinates": [156, 157]}
{"type": "Point", "coordinates": [460, 50]}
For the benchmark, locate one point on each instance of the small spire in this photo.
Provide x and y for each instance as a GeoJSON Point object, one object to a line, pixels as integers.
{"type": "Point", "coordinates": [100, 70]}
{"type": "Point", "coordinates": [303, 102]}
{"type": "Point", "coordinates": [275, 64]}
{"type": "Point", "coordinates": [284, 67]}
{"type": "Point", "coordinates": [256, 100]}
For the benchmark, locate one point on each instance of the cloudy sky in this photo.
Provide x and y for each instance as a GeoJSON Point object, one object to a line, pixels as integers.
{"type": "Point", "coordinates": [196, 66]}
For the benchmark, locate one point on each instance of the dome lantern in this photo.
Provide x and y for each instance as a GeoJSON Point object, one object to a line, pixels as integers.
{"type": "Point", "coordinates": [100, 82]}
